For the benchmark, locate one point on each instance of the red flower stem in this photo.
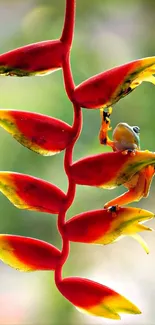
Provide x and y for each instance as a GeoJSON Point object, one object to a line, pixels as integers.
{"type": "Point", "coordinates": [67, 36]}
{"type": "Point", "coordinates": [77, 125]}
{"type": "Point", "coordinates": [68, 29]}
{"type": "Point", "coordinates": [68, 77]}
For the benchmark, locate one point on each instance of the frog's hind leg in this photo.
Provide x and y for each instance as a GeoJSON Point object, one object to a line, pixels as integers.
{"type": "Point", "coordinates": [136, 190]}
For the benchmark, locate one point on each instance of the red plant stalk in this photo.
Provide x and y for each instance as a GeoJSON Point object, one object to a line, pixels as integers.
{"type": "Point", "coordinates": [68, 28]}
{"type": "Point", "coordinates": [77, 125]}
{"type": "Point", "coordinates": [67, 37]}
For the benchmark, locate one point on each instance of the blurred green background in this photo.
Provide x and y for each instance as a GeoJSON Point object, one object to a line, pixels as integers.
{"type": "Point", "coordinates": [107, 33]}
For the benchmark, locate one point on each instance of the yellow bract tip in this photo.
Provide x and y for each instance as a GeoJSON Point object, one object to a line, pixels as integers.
{"type": "Point", "coordinates": [141, 241]}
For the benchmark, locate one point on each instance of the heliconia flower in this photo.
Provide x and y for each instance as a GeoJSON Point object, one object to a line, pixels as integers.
{"type": "Point", "coordinates": [96, 299]}
{"type": "Point", "coordinates": [31, 193]}
{"type": "Point", "coordinates": [40, 133]}
{"type": "Point", "coordinates": [28, 254]}
{"type": "Point", "coordinates": [33, 59]}
{"type": "Point", "coordinates": [106, 226]}
{"type": "Point", "coordinates": [110, 86]}
{"type": "Point", "coordinates": [110, 169]}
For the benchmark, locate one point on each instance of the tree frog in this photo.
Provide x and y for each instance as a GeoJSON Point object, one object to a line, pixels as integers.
{"type": "Point", "coordinates": [126, 138]}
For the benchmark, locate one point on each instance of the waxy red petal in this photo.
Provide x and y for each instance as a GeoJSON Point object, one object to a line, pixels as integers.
{"type": "Point", "coordinates": [40, 133]}
{"type": "Point", "coordinates": [31, 193]}
{"type": "Point", "coordinates": [95, 299]}
{"type": "Point", "coordinates": [108, 87]}
{"type": "Point", "coordinates": [33, 59]}
{"type": "Point", "coordinates": [28, 254]}
{"type": "Point", "coordinates": [110, 169]}
{"type": "Point", "coordinates": [105, 226]}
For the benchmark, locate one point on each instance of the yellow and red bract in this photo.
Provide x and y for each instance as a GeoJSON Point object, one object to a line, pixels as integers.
{"type": "Point", "coordinates": [40, 133]}
{"type": "Point", "coordinates": [106, 226]}
{"type": "Point", "coordinates": [95, 299]}
{"type": "Point", "coordinates": [31, 193]}
{"type": "Point", "coordinates": [110, 169]}
{"type": "Point", "coordinates": [33, 59]}
{"type": "Point", "coordinates": [28, 254]}
{"type": "Point", "coordinates": [110, 86]}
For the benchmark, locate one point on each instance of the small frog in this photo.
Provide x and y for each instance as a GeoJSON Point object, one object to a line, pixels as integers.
{"type": "Point", "coordinates": [126, 138]}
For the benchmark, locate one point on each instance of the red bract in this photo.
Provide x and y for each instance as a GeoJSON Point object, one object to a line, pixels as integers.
{"type": "Point", "coordinates": [33, 59]}
{"type": "Point", "coordinates": [40, 133]}
{"type": "Point", "coordinates": [27, 192]}
{"type": "Point", "coordinates": [106, 226]}
{"type": "Point", "coordinates": [110, 169]}
{"type": "Point", "coordinates": [28, 254]}
{"type": "Point", "coordinates": [96, 299]}
{"type": "Point", "coordinates": [110, 86]}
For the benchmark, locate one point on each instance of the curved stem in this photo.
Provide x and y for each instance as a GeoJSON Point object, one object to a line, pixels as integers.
{"type": "Point", "coordinates": [67, 37]}
{"type": "Point", "coordinates": [77, 125]}
{"type": "Point", "coordinates": [68, 77]}
{"type": "Point", "coordinates": [68, 29]}
{"type": "Point", "coordinates": [68, 159]}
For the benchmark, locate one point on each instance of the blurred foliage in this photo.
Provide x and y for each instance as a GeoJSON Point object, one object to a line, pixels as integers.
{"type": "Point", "coordinates": [107, 33]}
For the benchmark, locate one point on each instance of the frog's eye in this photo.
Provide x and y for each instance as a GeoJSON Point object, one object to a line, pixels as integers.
{"type": "Point", "coordinates": [136, 129]}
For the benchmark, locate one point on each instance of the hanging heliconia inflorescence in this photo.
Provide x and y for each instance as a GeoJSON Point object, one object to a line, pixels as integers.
{"type": "Point", "coordinates": [127, 165]}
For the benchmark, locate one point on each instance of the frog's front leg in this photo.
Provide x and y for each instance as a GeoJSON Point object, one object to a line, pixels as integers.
{"type": "Point", "coordinates": [124, 137]}
{"type": "Point", "coordinates": [105, 128]}
{"type": "Point", "coordinates": [138, 187]}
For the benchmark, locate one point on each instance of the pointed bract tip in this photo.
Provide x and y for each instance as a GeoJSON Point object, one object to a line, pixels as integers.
{"type": "Point", "coordinates": [96, 299]}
